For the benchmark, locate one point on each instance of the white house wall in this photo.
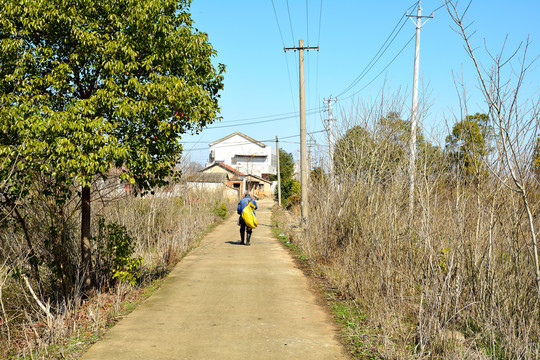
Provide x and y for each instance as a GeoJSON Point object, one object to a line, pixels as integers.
{"type": "Point", "coordinates": [233, 152]}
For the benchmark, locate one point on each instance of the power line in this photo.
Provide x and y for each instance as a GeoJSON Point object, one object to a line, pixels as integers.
{"type": "Point", "coordinates": [307, 21]}
{"type": "Point", "coordinates": [317, 67]}
{"type": "Point", "coordinates": [320, 17]}
{"type": "Point", "coordinates": [249, 142]}
{"type": "Point", "coordinates": [279, 28]}
{"type": "Point", "coordinates": [386, 44]}
{"type": "Point", "coordinates": [386, 67]}
{"type": "Point", "coordinates": [379, 54]}
{"type": "Point", "coordinates": [292, 113]}
{"type": "Point", "coordinates": [443, 5]}
{"type": "Point", "coordinates": [292, 116]}
{"type": "Point", "coordinates": [290, 22]}
{"type": "Point", "coordinates": [283, 43]}
{"type": "Point", "coordinates": [288, 115]}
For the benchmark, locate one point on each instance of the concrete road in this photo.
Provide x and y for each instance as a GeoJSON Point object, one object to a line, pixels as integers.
{"type": "Point", "coordinates": [228, 301]}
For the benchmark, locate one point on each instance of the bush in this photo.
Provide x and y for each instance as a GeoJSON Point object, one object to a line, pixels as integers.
{"type": "Point", "coordinates": [114, 250]}
{"type": "Point", "coordinates": [221, 210]}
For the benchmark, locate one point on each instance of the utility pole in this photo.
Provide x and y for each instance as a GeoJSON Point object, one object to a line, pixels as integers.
{"type": "Point", "coordinates": [278, 174]}
{"type": "Point", "coordinates": [414, 108]}
{"type": "Point", "coordinates": [331, 138]}
{"type": "Point", "coordinates": [303, 158]}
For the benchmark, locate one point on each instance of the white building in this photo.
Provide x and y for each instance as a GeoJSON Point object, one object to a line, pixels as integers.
{"type": "Point", "coordinates": [244, 154]}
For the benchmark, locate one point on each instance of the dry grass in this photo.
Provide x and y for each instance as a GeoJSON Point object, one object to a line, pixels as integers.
{"type": "Point", "coordinates": [456, 281]}
{"type": "Point", "coordinates": [163, 230]}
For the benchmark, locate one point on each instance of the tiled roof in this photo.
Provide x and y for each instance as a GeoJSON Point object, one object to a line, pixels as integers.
{"type": "Point", "coordinates": [259, 178]}
{"type": "Point", "coordinates": [226, 167]}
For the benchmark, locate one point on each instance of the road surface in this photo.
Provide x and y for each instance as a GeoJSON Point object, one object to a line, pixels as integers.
{"type": "Point", "coordinates": [228, 301]}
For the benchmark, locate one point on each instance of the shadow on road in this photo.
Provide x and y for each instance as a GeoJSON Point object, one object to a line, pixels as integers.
{"type": "Point", "coordinates": [233, 242]}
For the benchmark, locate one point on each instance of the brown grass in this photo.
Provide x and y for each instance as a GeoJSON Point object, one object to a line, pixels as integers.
{"type": "Point", "coordinates": [163, 229]}
{"type": "Point", "coordinates": [456, 281]}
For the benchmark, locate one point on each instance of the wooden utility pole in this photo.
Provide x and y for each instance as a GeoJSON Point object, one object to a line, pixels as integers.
{"type": "Point", "coordinates": [303, 157]}
{"type": "Point", "coordinates": [414, 108]}
{"type": "Point", "coordinates": [278, 174]}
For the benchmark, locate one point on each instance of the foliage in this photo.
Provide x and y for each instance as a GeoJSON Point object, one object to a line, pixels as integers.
{"type": "Point", "coordinates": [91, 85]}
{"type": "Point", "coordinates": [286, 164]}
{"type": "Point", "coordinates": [468, 145]}
{"type": "Point", "coordinates": [289, 185]}
{"type": "Point", "coordinates": [356, 140]}
{"type": "Point", "coordinates": [87, 85]}
{"type": "Point", "coordinates": [221, 210]}
{"type": "Point", "coordinates": [114, 250]}
{"type": "Point", "coordinates": [377, 154]}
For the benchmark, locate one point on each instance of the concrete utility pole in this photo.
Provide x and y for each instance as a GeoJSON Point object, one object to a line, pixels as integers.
{"type": "Point", "coordinates": [331, 137]}
{"type": "Point", "coordinates": [414, 108]}
{"type": "Point", "coordinates": [278, 174]}
{"type": "Point", "coordinates": [303, 158]}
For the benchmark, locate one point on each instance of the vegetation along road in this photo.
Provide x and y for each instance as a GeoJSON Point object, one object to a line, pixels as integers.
{"type": "Point", "coordinates": [228, 301]}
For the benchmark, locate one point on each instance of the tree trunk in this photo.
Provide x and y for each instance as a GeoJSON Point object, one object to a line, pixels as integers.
{"type": "Point", "coordinates": [86, 250]}
{"type": "Point", "coordinates": [32, 254]}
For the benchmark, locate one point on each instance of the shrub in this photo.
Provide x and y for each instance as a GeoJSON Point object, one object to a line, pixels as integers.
{"type": "Point", "coordinates": [221, 210]}
{"type": "Point", "coordinates": [114, 250]}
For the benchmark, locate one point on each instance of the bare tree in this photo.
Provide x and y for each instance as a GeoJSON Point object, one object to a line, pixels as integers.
{"type": "Point", "coordinates": [515, 120]}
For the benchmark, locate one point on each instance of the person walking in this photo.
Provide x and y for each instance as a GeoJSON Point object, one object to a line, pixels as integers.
{"type": "Point", "coordinates": [241, 205]}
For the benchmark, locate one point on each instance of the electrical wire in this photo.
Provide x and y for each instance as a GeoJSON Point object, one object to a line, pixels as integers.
{"type": "Point", "coordinates": [318, 42]}
{"type": "Point", "coordinates": [386, 67]}
{"type": "Point", "coordinates": [290, 22]}
{"type": "Point", "coordinates": [320, 18]}
{"type": "Point", "coordinates": [260, 122]}
{"type": "Point", "coordinates": [279, 27]}
{"type": "Point", "coordinates": [317, 66]}
{"type": "Point", "coordinates": [307, 21]}
{"type": "Point", "coordinates": [293, 113]}
{"type": "Point", "coordinates": [263, 141]}
{"type": "Point", "coordinates": [384, 47]}
{"type": "Point", "coordinates": [308, 83]}
{"type": "Point", "coordinates": [443, 5]}
{"type": "Point", "coordinates": [286, 60]}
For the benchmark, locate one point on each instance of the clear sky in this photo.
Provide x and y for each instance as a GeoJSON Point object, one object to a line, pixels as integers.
{"type": "Point", "coordinates": [261, 81]}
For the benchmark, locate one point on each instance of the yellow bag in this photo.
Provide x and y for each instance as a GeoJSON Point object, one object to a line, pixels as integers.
{"type": "Point", "coordinates": [249, 216]}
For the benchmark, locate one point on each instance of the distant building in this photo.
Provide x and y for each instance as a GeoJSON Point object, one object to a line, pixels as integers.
{"type": "Point", "coordinates": [244, 154]}
{"type": "Point", "coordinates": [212, 181]}
{"type": "Point", "coordinates": [222, 173]}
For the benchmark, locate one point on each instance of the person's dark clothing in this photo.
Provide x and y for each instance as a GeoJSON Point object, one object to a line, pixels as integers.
{"type": "Point", "coordinates": [243, 228]}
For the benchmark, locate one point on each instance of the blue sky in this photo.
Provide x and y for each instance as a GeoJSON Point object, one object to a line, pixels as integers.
{"type": "Point", "coordinates": [261, 81]}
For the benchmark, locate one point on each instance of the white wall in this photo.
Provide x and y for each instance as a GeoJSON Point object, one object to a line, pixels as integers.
{"type": "Point", "coordinates": [230, 152]}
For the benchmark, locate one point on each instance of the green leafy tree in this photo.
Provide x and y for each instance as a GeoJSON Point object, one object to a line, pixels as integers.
{"type": "Point", "coordinates": [352, 152]}
{"type": "Point", "coordinates": [392, 136]}
{"type": "Point", "coordinates": [94, 84]}
{"type": "Point", "coordinates": [373, 155]}
{"type": "Point", "coordinates": [289, 185]}
{"type": "Point", "coordinates": [468, 145]}
{"type": "Point", "coordinates": [378, 155]}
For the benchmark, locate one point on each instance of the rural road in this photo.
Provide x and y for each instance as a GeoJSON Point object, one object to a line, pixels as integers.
{"type": "Point", "coordinates": [228, 301]}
